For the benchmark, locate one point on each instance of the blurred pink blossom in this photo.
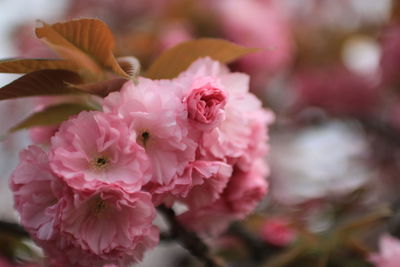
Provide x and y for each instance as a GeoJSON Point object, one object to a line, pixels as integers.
{"type": "Point", "coordinates": [261, 24]}
{"type": "Point", "coordinates": [42, 134]}
{"type": "Point", "coordinates": [337, 90]}
{"type": "Point", "coordinates": [208, 221]}
{"type": "Point", "coordinates": [28, 45]}
{"type": "Point", "coordinates": [174, 34]}
{"type": "Point", "coordinates": [390, 59]}
{"type": "Point", "coordinates": [246, 189]}
{"type": "Point", "coordinates": [117, 13]}
{"type": "Point", "coordinates": [277, 231]}
{"type": "Point", "coordinates": [389, 252]}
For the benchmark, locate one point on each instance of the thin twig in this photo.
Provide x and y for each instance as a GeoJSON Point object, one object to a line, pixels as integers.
{"type": "Point", "coordinates": [189, 240]}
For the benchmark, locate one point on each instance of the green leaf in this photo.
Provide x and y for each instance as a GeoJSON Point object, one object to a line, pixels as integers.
{"type": "Point", "coordinates": [52, 115]}
{"type": "Point", "coordinates": [42, 82]}
{"type": "Point", "coordinates": [178, 58]}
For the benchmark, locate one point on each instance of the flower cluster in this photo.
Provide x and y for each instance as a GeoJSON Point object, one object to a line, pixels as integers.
{"type": "Point", "coordinates": [199, 139]}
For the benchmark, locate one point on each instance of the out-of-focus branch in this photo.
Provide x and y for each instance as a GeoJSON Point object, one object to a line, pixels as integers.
{"type": "Point", "coordinates": [383, 130]}
{"type": "Point", "coordinates": [382, 213]}
{"type": "Point", "coordinates": [258, 248]}
{"type": "Point", "coordinates": [189, 240]}
{"type": "Point", "coordinates": [13, 229]}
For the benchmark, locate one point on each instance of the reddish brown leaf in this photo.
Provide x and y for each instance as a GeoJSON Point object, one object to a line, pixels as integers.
{"type": "Point", "coordinates": [87, 42]}
{"type": "Point", "coordinates": [178, 58]}
{"type": "Point", "coordinates": [42, 82]}
{"type": "Point", "coordinates": [18, 65]}
{"type": "Point", "coordinates": [52, 115]}
{"type": "Point", "coordinates": [102, 88]}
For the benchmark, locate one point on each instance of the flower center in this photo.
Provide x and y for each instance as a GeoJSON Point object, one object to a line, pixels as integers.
{"type": "Point", "coordinates": [100, 162]}
{"type": "Point", "coordinates": [98, 206]}
{"type": "Point", "coordinates": [143, 138]}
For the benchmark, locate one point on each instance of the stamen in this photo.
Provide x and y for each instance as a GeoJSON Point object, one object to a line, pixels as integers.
{"type": "Point", "coordinates": [100, 162]}
{"type": "Point", "coordinates": [143, 138]}
{"type": "Point", "coordinates": [98, 206]}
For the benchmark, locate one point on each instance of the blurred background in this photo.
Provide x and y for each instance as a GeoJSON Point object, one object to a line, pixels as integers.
{"type": "Point", "coordinates": [329, 69]}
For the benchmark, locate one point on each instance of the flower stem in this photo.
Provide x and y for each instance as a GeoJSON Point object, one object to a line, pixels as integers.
{"type": "Point", "coordinates": [189, 240]}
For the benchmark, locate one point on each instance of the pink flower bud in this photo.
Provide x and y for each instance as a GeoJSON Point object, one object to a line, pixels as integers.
{"type": "Point", "coordinates": [205, 103]}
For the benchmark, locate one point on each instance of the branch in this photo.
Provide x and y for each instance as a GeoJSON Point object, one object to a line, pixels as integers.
{"type": "Point", "coordinates": [258, 248]}
{"type": "Point", "coordinates": [13, 229]}
{"type": "Point", "coordinates": [189, 240]}
{"type": "Point", "coordinates": [383, 130]}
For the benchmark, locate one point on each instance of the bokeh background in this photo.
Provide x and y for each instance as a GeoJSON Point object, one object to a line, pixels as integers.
{"type": "Point", "coordinates": [329, 69]}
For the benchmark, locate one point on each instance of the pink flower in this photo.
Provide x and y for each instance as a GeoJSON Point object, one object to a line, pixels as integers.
{"type": "Point", "coordinates": [110, 223]}
{"type": "Point", "coordinates": [36, 191]}
{"type": "Point", "coordinates": [205, 103]}
{"type": "Point", "coordinates": [153, 110]}
{"type": "Point", "coordinates": [208, 221]}
{"type": "Point", "coordinates": [389, 255]}
{"type": "Point", "coordinates": [96, 148]}
{"type": "Point", "coordinates": [243, 192]}
{"type": "Point", "coordinates": [42, 134]}
{"type": "Point", "coordinates": [232, 137]}
{"type": "Point", "coordinates": [258, 140]}
{"type": "Point", "coordinates": [241, 135]}
{"type": "Point", "coordinates": [278, 232]}
{"type": "Point", "coordinates": [208, 180]}
{"type": "Point", "coordinates": [246, 189]}
{"type": "Point", "coordinates": [62, 253]}
{"type": "Point", "coordinates": [201, 184]}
